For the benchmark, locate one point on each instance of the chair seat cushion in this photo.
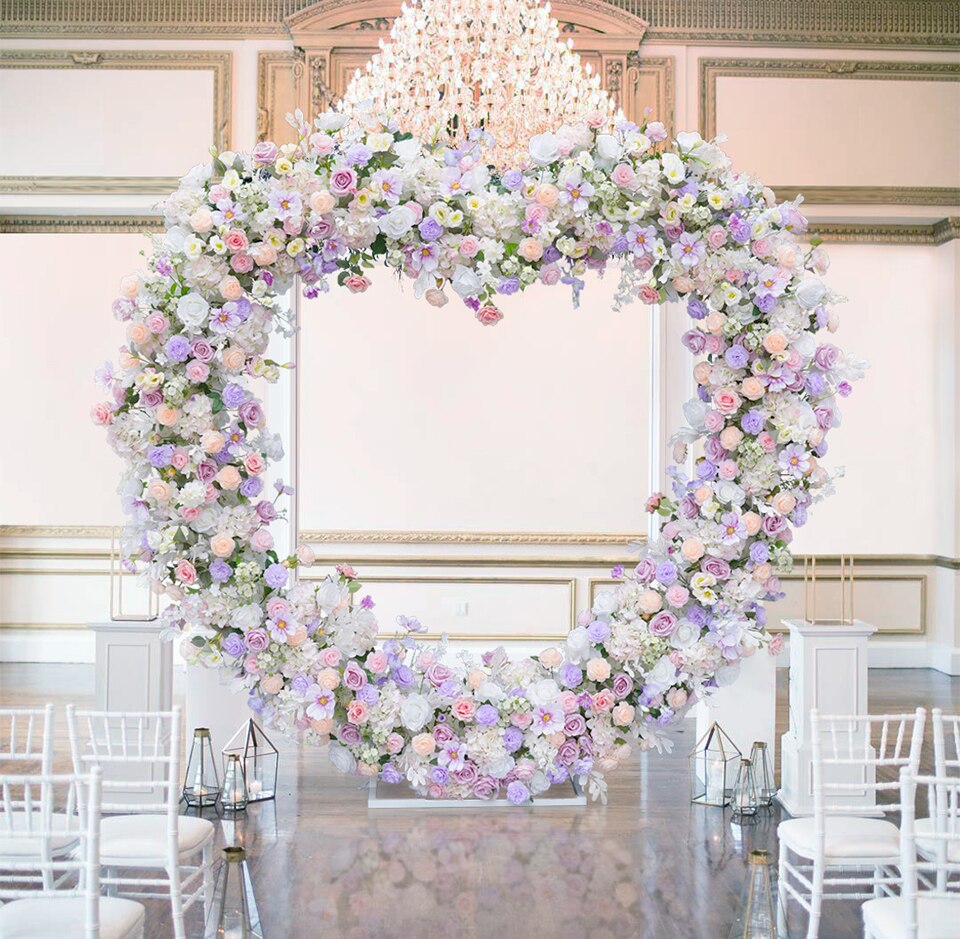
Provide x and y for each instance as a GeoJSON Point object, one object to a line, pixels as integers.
{"type": "Point", "coordinates": [64, 918]}
{"type": "Point", "coordinates": [936, 918]}
{"type": "Point", "coordinates": [928, 846]}
{"type": "Point", "coordinates": [12, 846]}
{"type": "Point", "coordinates": [125, 838]}
{"type": "Point", "coordinates": [845, 837]}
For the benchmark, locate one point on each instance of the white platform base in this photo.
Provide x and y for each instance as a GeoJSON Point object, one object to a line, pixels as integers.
{"type": "Point", "coordinates": [401, 796]}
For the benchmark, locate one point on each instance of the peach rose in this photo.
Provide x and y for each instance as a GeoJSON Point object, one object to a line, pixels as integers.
{"type": "Point", "coordinates": [306, 555]}
{"type": "Point", "coordinates": [650, 601]}
{"type": "Point", "coordinates": [212, 441]}
{"type": "Point", "coordinates": [271, 684]}
{"type": "Point", "coordinates": [263, 253]}
{"type": "Point", "coordinates": [129, 286]}
{"type": "Point", "coordinates": [714, 322]}
{"type": "Point", "coordinates": [222, 545]}
{"type": "Point", "coordinates": [167, 415]}
{"type": "Point", "coordinates": [202, 220]}
{"type": "Point", "coordinates": [550, 658]}
{"type": "Point", "coordinates": [368, 769]}
{"type": "Point", "coordinates": [230, 288]}
{"type": "Point", "coordinates": [476, 678]}
{"type": "Point", "coordinates": [128, 361]}
{"type": "Point", "coordinates": [762, 573]}
{"type": "Point", "coordinates": [702, 372]}
{"type": "Point", "coordinates": [676, 698]}
{"type": "Point", "coordinates": [328, 678]}
{"type": "Point", "coordinates": [530, 249]}
{"type": "Point", "coordinates": [298, 637]}
{"type": "Point", "coordinates": [322, 202]}
{"type": "Point", "coordinates": [752, 388]}
{"type": "Point", "coordinates": [599, 669]}
{"type": "Point", "coordinates": [357, 712]}
{"type": "Point", "coordinates": [603, 700]}
{"type": "Point", "coordinates": [775, 342]}
{"type": "Point", "coordinates": [424, 744]}
{"type": "Point", "coordinates": [752, 521]}
{"type": "Point", "coordinates": [159, 490]}
{"type": "Point", "coordinates": [692, 549]}
{"type": "Point", "coordinates": [323, 726]}
{"type": "Point", "coordinates": [623, 714]}
{"type": "Point", "coordinates": [138, 334]}
{"type": "Point", "coordinates": [233, 358]}
{"type": "Point", "coordinates": [784, 503]}
{"type": "Point", "coordinates": [546, 194]}
{"type": "Point", "coordinates": [229, 477]}
{"type": "Point", "coordinates": [730, 437]}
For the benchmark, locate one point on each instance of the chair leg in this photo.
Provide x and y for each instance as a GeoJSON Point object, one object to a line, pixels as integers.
{"type": "Point", "coordinates": [816, 899]}
{"type": "Point", "coordinates": [176, 902]}
{"type": "Point", "coordinates": [207, 880]}
{"type": "Point", "coordinates": [111, 889]}
{"type": "Point", "coordinates": [878, 890]}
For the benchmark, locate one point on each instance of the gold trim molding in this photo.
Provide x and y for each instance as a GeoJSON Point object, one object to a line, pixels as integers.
{"type": "Point", "coordinates": [902, 23]}
{"type": "Point", "coordinates": [868, 233]}
{"type": "Point", "coordinates": [862, 69]}
{"type": "Point", "coordinates": [220, 64]}
{"type": "Point", "coordinates": [314, 536]}
{"type": "Point", "coordinates": [80, 224]}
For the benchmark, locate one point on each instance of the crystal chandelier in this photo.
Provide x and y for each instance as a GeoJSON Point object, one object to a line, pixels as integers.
{"type": "Point", "coordinates": [453, 66]}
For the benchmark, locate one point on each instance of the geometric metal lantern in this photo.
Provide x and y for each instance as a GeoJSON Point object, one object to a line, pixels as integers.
{"type": "Point", "coordinates": [201, 785]}
{"type": "Point", "coordinates": [745, 801]}
{"type": "Point", "coordinates": [233, 913]}
{"type": "Point", "coordinates": [762, 773]}
{"type": "Point", "coordinates": [713, 768]}
{"type": "Point", "coordinates": [259, 759]}
{"type": "Point", "coordinates": [233, 792]}
{"type": "Point", "coordinates": [757, 919]}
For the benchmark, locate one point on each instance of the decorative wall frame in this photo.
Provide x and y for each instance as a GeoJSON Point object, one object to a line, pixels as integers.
{"type": "Point", "coordinates": [712, 69]}
{"type": "Point", "coordinates": [219, 64]}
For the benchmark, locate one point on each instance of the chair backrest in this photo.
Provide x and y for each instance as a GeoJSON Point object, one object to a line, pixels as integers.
{"type": "Point", "coordinates": [26, 739]}
{"type": "Point", "coordinates": [49, 851]}
{"type": "Point", "coordinates": [854, 755]}
{"type": "Point", "coordinates": [934, 865]}
{"type": "Point", "coordinates": [137, 751]}
{"type": "Point", "coordinates": [946, 743]}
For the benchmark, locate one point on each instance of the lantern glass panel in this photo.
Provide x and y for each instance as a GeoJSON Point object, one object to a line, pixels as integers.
{"type": "Point", "coordinates": [259, 758]}
{"type": "Point", "coordinates": [201, 785]}
{"type": "Point", "coordinates": [233, 795]}
{"type": "Point", "coordinates": [763, 773]}
{"type": "Point", "coordinates": [233, 913]}
{"type": "Point", "coordinates": [744, 801]}
{"type": "Point", "coordinates": [713, 767]}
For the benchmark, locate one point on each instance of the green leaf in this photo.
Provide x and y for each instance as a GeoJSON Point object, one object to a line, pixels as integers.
{"type": "Point", "coordinates": [216, 403]}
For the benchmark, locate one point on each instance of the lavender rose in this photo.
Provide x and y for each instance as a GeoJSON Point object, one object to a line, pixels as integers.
{"type": "Point", "coordinates": [354, 677]}
{"type": "Point", "coordinates": [575, 725]}
{"type": "Point", "coordinates": [716, 566]}
{"type": "Point", "coordinates": [622, 685]}
{"type": "Point", "coordinates": [486, 787]}
{"type": "Point", "coordinates": [663, 624]}
{"type": "Point", "coordinates": [257, 639]}
{"type": "Point", "coordinates": [348, 734]}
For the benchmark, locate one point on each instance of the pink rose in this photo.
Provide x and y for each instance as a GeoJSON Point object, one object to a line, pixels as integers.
{"type": "Point", "coordinates": [251, 666]}
{"type": "Point", "coordinates": [717, 237]}
{"type": "Point", "coordinates": [713, 421]}
{"type": "Point", "coordinates": [261, 540]}
{"type": "Point", "coordinates": [257, 639]}
{"type": "Point", "coordinates": [623, 175]}
{"type": "Point", "coordinates": [728, 469]}
{"type": "Point", "coordinates": [356, 712]}
{"type": "Point", "coordinates": [189, 513]}
{"type": "Point", "coordinates": [343, 180]}
{"type": "Point", "coordinates": [186, 573]}
{"type": "Point", "coordinates": [356, 283]}
{"type": "Point", "coordinates": [726, 400]}
{"type": "Point", "coordinates": [664, 624]}
{"type": "Point", "coordinates": [330, 656]}
{"type": "Point", "coordinates": [603, 700]}
{"type": "Point", "coordinates": [156, 323]}
{"type": "Point", "coordinates": [242, 263]}
{"type": "Point", "coordinates": [277, 607]}
{"type": "Point", "coordinates": [776, 644]}
{"type": "Point", "coordinates": [489, 315]}
{"type": "Point", "coordinates": [677, 595]}
{"type": "Point", "coordinates": [265, 152]}
{"type": "Point", "coordinates": [394, 743]}
{"type": "Point", "coordinates": [197, 371]}
{"type": "Point", "coordinates": [235, 240]}
{"type": "Point", "coordinates": [568, 702]}
{"type": "Point", "coordinates": [464, 709]}
{"type": "Point", "coordinates": [354, 677]}
{"type": "Point", "coordinates": [469, 246]}
{"type": "Point", "coordinates": [101, 414]}
{"type": "Point", "coordinates": [254, 463]}
{"type": "Point", "coordinates": [521, 719]}
{"type": "Point", "coordinates": [550, 275]}
{"type": "Point", "coordinates": [322, 144]}
{"type": "Point", "coordinates": [649, 294]}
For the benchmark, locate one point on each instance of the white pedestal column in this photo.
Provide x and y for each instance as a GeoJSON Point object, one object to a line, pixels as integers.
{"type": "Point", "coordinates": [828, 671]}
{"type": "Point", "coordinates": [211, 703]}
{"type": "Point", "coordinates": [747, 709]}
{"type": "Point", "coordinates": [134, 667]}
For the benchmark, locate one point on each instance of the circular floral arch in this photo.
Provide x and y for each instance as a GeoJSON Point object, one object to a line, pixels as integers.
{"type": "Point", "coordinates": [683, 227]}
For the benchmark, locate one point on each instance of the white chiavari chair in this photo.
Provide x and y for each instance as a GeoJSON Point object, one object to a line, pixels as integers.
{"type": "Point", "coordinates": [26, 746]}
{"type": "Point", "coordinates": [853, 851]}
{"type": "Point", "coordinates": [932, 913]}
{"type": "Point", "coordinates": [140, 752]}
{"type": "Point", "coordinates": [53, 895]}
{"type": "Point", "coordinates": [946, 762]}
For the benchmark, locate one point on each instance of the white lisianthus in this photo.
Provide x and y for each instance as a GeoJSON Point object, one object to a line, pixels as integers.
{"type": "Point", "coordinates": [415, 711]}
{"type": "Point", "coordinates": [673, 168]}
{"type": "Point", "coordinates": [342, 758]}
{"type": "Point", "coordinates": [605, 602]}
{"type": "Point", "coordinates": [810, 293]}
{"type": "Point", "coordinates": [662, 675]}
{"type": "Point", "coordinates": [544, 691]}
{"type": "Point", "coordinates": [490, 691]}
{"type": "Point", "coordinates": [465, 281]}
{"type": "Point", "coordinates": [608, 147]}
{"type": "Point", "coordinates": [328, 595]}
{"type": "Point", "coordinates": [578, 645]}
{"type": "Point", "coordinates": [330, 121]}
{"type": "Point", "coordinates": [397, 222]}
{"type": "Point", "coordinates": [406, 150]}
{"type": "Point", "coordinates": [378, 143]}
{"type": "Point", "coordinates": [688, 140]}
{"type": "Point", "coordinates": [246, 617]}
{"type": "Point", "coordinates": [192, 309]}
{"type": "Point", "coordinates": [685, 635]}
{"type": "Point", "coordinates": [544, 149]}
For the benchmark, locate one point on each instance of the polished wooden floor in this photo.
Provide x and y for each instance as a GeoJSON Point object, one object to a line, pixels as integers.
{"type": "Point", "coordinates": [648, 864]}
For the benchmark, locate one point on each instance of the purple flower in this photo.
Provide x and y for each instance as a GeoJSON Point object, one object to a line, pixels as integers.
{"type": "Point", "coordinates": [697, 309]}
{"type": "Point", "coordinates": [550, 254]}
{"type": "Point", "coordinates": [256, 639]}
{"type": "Point", "coordinates": [439, 775]}
{"type": "Point", "coordinates": [689, 250]}
{"type": "Point", "coordinates": [736, 356]}
{"type": "Point", "coordinates": [616, 572]}
{"type": "Point", "coordinates": [251, 487]}
{"type": "Point", "coordinates": [597, 631]}
{"type": "Point", "coordinates": [509, 285]}
{"type": "Point", "coordinates": [622, 685]}
{"type": "Point", "coordinates": [301, 684]}
{"type": "Point", "coordinates": [642, 240]}
{"type": "Point", "coordinates": [348, 734]}
{"type": "Point", "coordinates": [663, 624]}
{"type": "Point", "coordinates": [512, 180]}
{"type": "Point", "coordinates": [403, 676]}
{"type": "Point", "coordinates": [233, 395]}
{"type": "Point", "coordinates": [827, 356]}
{"type": "Point", "coordinates": [430, 229]}
{"type": "Point", "coordinates": [485, 787]}
{"type": "Point", "coordinates": [359, 155]}
{"type": "Point", "coordinates": [368, 694]}
{"type": "Point", "coordinates": [718, 567]}
{"type": "Point", "coordinates": [220, 570]}
{"type": "Point", "coordinates": [794, 460]}
{"type": "Point", "coordinates": [276, 576]}
{"type": "Point", "coordinates": [232, 645]}
{"type": "Point", "coordinates": [512, 739]}
{"type": "Point", "coordinates": [752, 422]}
{"type": "Point", "coordinates": [285, 203]}
{"type": "Point", "coordinates": [266, 511]}
{"type": "Point", "coordinates": [518, 793]}
{"type": "Point", "coordinates": [177, 349]}
{"type": "Point", "coordinates": [694, 340]}
{"type": "Point", "coordinates": [759, 552]}
{"type": "Point", "coordinates": [202, 350]}
{"type": "Point", "coordinates": [666, 573]}
{"type": "Point", "coordinates": [570, 675]}
{"type": "Point", "coordinates": [646, 569]}
{"type": "Point", "coordinates": [575, 725]}
{"type": "Point", "coordinates": [390, 774]}
{"type": "Point", "coordinates": [161, 456]}
{"type": "Point", "coordinates": [486, 715]}
{"type": "Point", "coordinates": [225, 320]}
{"type": "Point", "coordinates": [568, 752]}
{"type": "Point", "coordinates": [739, 228]}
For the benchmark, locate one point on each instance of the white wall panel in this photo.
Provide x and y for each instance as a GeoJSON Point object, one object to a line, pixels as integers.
{"type": "Point", "coordinates": [56, 328]}
{"type": "Point", "coordinates": [417, 418]}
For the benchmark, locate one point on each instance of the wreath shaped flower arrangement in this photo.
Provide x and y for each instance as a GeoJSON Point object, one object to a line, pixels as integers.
{"type": "Point", "coordinates": [180, 411]}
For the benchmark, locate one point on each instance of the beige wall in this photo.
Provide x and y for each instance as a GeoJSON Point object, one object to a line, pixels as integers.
{"type": "Point", "coordinates": [546, 433]}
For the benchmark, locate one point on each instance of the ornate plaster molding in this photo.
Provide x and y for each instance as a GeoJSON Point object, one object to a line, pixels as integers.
{"type": "Point", "coordinates": [79, 224]}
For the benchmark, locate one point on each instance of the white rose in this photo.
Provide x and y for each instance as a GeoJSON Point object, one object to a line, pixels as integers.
{"type": "Point", "coordinates": [578, 645]}
{"type": "Point", "coordinates": [608, 147]}
{"type": "Point", "coordinates": [606, 601]}
{"type": "Point", "coordinates": [810, 293]}
{"type": "Point", "coordinates": [727, 674]}
{"type": "Point", "coordinates": [695, 411]}
{"type": "Point", "coordinates": [406, 149]}
{"type": "Point", "coordinates": [538, 783]}
{"type": "Point", "coordinates": [501, 767]}
{"type": "Point", "coordinates": [246, 617]}
{"type": "Point", "coordinates": [197, 176]}
{"type": "Point", "coordinates": [544, 149]}
{"type": "Point", "coordinates": [207, 520]}
{"type": "Point", "coordinates": [728, 491]}
{"type": "Point", "coordinates": [689, 139]}
{"type": "Point", "coordinates": [329, 121]}
{"type": "Point", "coordinates": [544, 691]}
{"type": "Point", "coordinates": [328, 595]}
{"type": "Point", "coordinates": [490, 691]}
{"type": "Point", "coordinates": [342, 758]}
{"type": "Point", "coordinates": [465, 281]}
{"type": "Point", "coordinates": [673, 168]}
{"type": "Point", "coordinates": [662, 675]}
{"type": "Point", "coordinates": [415, 711]}
{"type": "Point", "coordinates": [685, 635]}
{"type": "Point", "coordinates": [176, 237]}
{"type": "Point", "coordinates": [397, 222]}
{"type": "Point", "coordinates": [192, 309]}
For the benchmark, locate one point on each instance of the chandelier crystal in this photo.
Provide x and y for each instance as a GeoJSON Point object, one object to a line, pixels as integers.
{"type": "Point", "coordinates": [455, 66]}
